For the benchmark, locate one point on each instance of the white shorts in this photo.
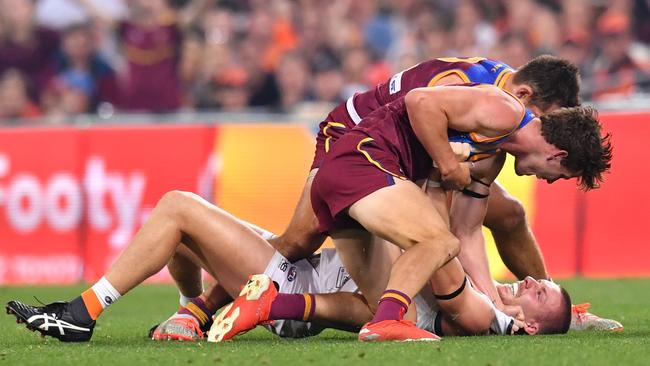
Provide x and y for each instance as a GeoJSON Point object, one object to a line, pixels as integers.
{"type": "Point", "coordinates": [321, 273]}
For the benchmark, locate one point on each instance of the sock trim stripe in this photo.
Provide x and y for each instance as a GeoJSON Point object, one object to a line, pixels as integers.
{"type": "Point", "coordinates": [308, 307]}
{"type": "Point", "coordinates": [93, 305]}
{"type": "Point", "coordinates": [395, 296]}
{"type": "Point", "coordinates": [198, 313]}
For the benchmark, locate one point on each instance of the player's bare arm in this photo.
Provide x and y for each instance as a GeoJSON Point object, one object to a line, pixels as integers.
{"type": "Point", "coordinates": [467, 214]}
{"type": "Point", "coordinates": [491, 113]}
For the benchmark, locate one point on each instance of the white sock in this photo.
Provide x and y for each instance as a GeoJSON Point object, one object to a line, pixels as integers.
{"type": "Point", "coordinates": [184, 300]}
{"type": "Point", "coordinates": [106, 293]}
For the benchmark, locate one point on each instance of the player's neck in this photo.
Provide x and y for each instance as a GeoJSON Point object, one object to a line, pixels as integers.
{"type": "Point", "coordinates": [524, 140]}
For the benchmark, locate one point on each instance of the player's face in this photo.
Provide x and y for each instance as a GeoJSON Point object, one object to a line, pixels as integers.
{"type": "Point", "coordinates": [543, 166]}
{"type": "Point", "coordinates": [536, 298]}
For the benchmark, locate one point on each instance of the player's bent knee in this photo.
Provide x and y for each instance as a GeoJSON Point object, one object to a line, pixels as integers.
{"type": "Point", "coordinates": [175, 203]}
{"type": "Point", "coordinates": [445, 243]}
{"type": "Point", "coordinates": [451, 246]}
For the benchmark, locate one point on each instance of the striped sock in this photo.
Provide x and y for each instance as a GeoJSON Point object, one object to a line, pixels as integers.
{"type": "Point", "coordinates": [97, 298]}
{"type": "Point", "coordinates": [197, 308]}
{"type": "Point", "coordinates": [293, 306]}
{"type": "Point", "coordinates": [393, 305]}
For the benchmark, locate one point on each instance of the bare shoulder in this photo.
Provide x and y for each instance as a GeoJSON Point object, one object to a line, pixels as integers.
{"type": "Point", "coordinates": [500, 112]}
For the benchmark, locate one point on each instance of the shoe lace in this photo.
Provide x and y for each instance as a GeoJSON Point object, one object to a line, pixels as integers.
{"type": "Point", "coordinates": [39, 300]}
{"type": "Point", "coordinates": [195, 326]}
{"type": "Point", "coordinates": [581, 308]}
{"type": "Point", "coordinates": [55, 308]}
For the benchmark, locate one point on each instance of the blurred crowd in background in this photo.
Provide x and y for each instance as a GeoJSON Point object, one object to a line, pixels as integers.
{"type": "Point", "coordinates": [61, 58]}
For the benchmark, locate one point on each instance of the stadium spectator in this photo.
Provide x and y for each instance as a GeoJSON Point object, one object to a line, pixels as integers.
{"type": "Point", "coordinates": [14, 98]}
{"type": "Point", "coordinates": [356, 63]}
{"type": "Point", "coordinates": [227, 91]}
{"type": "Point", "coordinates": [617, 70]}
{"type": "Point", "coordinates": [67, 95]}
{"type": "Point", "coordinates": [79, 61]}
{"type": "Point", "coordinates": [292, 78]}
{"type": "Point", "coordinates": [26, 46]}
{"type": "Point", "coordinates": [152, 42]}
{"type": "Point", "coordinates": [174, 54]}
{"type": "Point", "coordinates": [328, 79]}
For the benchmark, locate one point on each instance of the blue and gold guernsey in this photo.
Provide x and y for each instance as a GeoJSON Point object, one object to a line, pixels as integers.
{"type": "Point", "coordinates": [477, 70]}
{"type": "Point", "coordinates": [344, 117]}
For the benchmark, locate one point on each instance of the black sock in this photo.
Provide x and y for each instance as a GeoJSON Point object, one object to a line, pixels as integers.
{"type": "Point", "coordinates": [79, 312]}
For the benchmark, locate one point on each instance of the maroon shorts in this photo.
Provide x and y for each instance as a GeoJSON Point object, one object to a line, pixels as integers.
{"type": "Point", "coordinates": [353, 169]}
{"type": "Point", "coordinates": [337, 124]}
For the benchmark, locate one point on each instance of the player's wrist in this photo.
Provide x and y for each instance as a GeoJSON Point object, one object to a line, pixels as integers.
{"type": "Point", "coordinates": [448, 167]}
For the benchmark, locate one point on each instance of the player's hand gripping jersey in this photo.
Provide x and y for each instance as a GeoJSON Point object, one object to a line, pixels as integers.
{"type": "Point", "coordinates": [347, 115]}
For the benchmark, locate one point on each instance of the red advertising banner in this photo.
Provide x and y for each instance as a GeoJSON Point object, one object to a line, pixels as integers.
{"type": "Point", "coordinates": [127, 170]}
{"type": "Point", "coordinates": [40, 206]}
{"type": "Point", "coordinates": [616, 215]}
{"type": "Point", "coordinates": [601, 232]}
{"type": "Point", "coordinates": [71, 200]}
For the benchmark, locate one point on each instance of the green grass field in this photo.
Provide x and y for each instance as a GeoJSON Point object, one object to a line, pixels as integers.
{"type": "Point", "coordinates": [121, 337]}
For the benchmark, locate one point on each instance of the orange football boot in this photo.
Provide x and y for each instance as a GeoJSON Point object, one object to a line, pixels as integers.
{"type": "Point", "coordinates": [178, 328]}
{"type": "Point", "coordinates": [250, 309]}
{"type": "Point", "coordinates": [395, 330]}
{"type": "Point", "coordinates": [582, 320]}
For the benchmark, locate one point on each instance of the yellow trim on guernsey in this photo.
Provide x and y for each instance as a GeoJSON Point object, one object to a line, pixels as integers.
{"type": "Point", "coordinates": [372, 161]}
{"type": "Point", "coordinates": [501, 79]}
{"type": "Point", "coordinates": [327, 140]}
{"type": "Point", "coordinates": [441, 75]}
{"type": "Point", "coordinates": [471, 60]}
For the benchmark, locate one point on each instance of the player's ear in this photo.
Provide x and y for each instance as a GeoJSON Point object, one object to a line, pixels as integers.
{"type": "Point", "coordinates": [531, 327]}
{"type": "Point", "coordinates": [524, 92]}
{"type": "Point", "coordinates": [558, 155]}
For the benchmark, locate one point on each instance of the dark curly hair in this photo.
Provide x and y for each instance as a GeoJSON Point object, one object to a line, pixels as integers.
{"type": "Point", "coordinates": [554, 81]}
{"type": "Point", "coordinates": [578, 131]}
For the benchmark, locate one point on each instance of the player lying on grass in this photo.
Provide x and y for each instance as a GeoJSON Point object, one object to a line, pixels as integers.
{"type": "Point", "coordinates": [546, 82]}
{"type": "Point", "coordinates": [230, 250]}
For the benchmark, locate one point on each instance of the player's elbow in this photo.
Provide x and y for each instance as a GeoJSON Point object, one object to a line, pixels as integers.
{"type": "Point", "coordinates": [416, 98]}
{"type": "Point", "coordinates": [477, 326]}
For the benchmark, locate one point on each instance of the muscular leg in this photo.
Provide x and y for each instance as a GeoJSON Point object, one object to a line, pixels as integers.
{"type": "Point", "coordinates": [515, 242]}
{"type": "Point", "coordinates": [185, 269]}
{"type": "Point", "coordinates": [186, 217]}
{"type": "Point", "coordinates": [402, 215]}
{"type": "Point", "coordinates": [301, 238]}
{"type": "Point", "coordinates": [343, 310]}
